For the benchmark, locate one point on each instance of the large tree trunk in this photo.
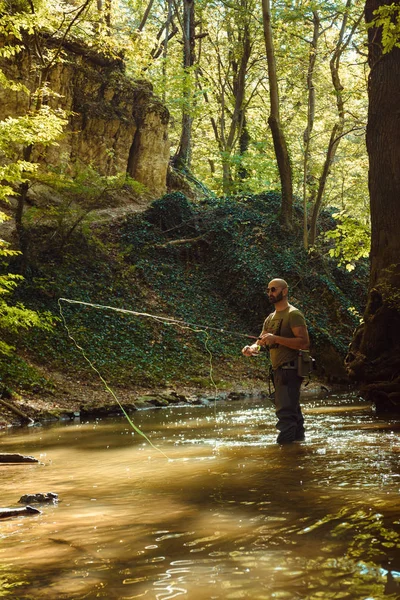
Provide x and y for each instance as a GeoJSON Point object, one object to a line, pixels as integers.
{"type": "Point", "coordinates": [374, 356]}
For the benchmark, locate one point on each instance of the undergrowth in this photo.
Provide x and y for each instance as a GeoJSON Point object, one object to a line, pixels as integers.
{"type": "Point", "coordinates": [207, 264]}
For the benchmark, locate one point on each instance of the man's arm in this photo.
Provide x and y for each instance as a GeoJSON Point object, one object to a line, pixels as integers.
{"type": "Point", "coordinates": [300, 341]}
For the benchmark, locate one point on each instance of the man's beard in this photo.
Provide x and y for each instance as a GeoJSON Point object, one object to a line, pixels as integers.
{"type": "Point", "coordinates": [275, 299]}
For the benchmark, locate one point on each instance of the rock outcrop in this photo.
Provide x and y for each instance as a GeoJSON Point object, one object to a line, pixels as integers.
{"type": "Point", "coordinates": [117, 125]}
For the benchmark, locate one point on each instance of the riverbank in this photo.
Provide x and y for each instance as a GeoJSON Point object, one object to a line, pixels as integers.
{"type": "Point", "coordinates": [150, 307]}
{"type": "Point", "coordinates": [73, 399]}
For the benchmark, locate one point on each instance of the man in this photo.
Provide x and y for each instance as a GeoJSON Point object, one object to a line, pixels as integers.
{"type": "Point", "coordinates": [285, 333]}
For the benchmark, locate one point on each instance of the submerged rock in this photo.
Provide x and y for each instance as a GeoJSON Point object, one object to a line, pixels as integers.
{"type": "Point", "coordinates": [46, 497]}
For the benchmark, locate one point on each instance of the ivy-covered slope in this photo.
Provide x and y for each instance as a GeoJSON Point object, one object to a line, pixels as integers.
{"type": "Point", "coordinates": [205, 264]}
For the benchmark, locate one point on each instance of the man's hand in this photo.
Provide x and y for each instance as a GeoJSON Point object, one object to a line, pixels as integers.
{"type": "Point", "coordinates": [251, 350]}
{"type": "Point", "coordinates": [267, 339]}
{"type": "Point", "coordinates": [300, 341]}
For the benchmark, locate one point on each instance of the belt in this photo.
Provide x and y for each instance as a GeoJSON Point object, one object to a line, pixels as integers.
{"type": "Point", "coordinates": [289, 365]}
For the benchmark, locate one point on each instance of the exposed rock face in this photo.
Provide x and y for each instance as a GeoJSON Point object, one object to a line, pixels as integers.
{"type": "Point", "coordinates": [115, 124]}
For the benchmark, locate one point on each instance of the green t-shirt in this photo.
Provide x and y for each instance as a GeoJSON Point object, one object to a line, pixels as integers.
{"type": "Point", "coordinates": [281, 323]}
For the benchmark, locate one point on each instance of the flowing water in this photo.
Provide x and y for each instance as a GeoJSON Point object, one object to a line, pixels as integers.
{"type": "Point", "coordinates": [228, 515]}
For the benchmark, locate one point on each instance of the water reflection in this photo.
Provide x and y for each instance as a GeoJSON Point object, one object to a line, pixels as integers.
{"type": "Point", "coordinates": [229, 515]}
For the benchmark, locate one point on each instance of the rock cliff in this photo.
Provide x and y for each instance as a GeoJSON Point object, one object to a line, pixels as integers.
{"type": "Point", "coordinates": [115, 124]}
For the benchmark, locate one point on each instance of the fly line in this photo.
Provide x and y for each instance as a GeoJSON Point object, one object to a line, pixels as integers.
{"type": "Point", "coordinates": [161, 319]}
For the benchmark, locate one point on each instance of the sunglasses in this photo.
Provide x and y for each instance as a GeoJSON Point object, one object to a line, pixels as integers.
{"type": "Point", "coordinates": [272, 289]}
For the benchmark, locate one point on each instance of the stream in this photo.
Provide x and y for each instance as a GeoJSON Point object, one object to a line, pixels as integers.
{"type": "Point", "coordinates": [222, 512]}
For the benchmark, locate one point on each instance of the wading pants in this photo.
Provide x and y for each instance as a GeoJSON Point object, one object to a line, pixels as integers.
{"type": "Point", "coordinates": [287, 405]}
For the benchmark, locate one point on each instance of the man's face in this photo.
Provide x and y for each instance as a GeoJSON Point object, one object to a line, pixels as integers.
{"type": "Point", "coordinates": [275, 293]}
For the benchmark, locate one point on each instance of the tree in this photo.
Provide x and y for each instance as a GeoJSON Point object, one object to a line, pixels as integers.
{"type": "Point", "coordinates": [228, 82]}
{"type": "Point", "coordinates": [183, 154]}
{"type": "Point", "coordinates": [344, 37]}
{"type": "Point", "coordinates": [274, 121]}
{"type": "Point", "coordinates": [374, 356]}
{"type": "Point", "coordinates": [311, 100]}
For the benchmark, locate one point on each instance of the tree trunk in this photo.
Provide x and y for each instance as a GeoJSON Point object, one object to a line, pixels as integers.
{"type": "Point", "coordinates": [182, 157]}
{"type": "Point", "coordinates": [239, 70]}
{"type": "Point", "coordinates": [145, 15]}
{"type": "Point", "coordinates": [36, 100]}
{"type": "Point", "coordinates": [278, 136]}
{"type": "Point", "coordinates": [374, 355]}
{"type": "Point", "coordinates": [244, 142]}
{"type": "Point", "coordinates": [310, 122]}
{"type": "Point", "coordinates": [165, 51]}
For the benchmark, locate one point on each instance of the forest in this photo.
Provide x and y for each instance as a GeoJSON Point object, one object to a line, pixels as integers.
{"type": "Point", "coordinates": [199, 144]}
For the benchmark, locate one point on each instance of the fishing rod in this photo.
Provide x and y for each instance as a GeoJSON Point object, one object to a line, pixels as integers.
{"type": "Point", "coordinates": [161, 319]}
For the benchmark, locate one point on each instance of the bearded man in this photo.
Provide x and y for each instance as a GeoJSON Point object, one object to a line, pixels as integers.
{"type": "Point", "coordinates": [285, 333]}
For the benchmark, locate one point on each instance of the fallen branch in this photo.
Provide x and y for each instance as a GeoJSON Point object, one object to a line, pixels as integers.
{"type": "Point", "coordinates": [6, 513]}
{"type": "Point", "coordinates": [180, 242]}
{"type": "Point", "coordinates": [16, 411]}
{"type": "Point", "coordinates": [17, 458]}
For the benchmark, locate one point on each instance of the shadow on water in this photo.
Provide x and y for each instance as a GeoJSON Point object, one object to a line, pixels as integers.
{"type": "Point", "coordinates": [230, 515]}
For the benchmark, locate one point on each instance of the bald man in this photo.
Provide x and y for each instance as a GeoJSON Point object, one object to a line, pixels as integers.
{"type": "Point", "coordinates": [285, 333]}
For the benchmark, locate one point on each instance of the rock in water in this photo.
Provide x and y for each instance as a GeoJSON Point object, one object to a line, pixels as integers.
{"type": "Point", "coordinates": [46, 497]}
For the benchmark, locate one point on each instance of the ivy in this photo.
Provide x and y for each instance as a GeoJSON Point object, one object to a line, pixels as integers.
{"type": "Point", "coordinates": [217, 281]}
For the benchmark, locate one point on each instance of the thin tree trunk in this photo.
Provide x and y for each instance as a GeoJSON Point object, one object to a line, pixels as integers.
{"type": "Point", "coordinates": [165, 50]}
{"type": "Point", "coordinates": [310, 120]}
{"type": "Point", "coordinates": [278, 136]}
{"type": "Point", "coordinates": [338, 127]}
{"type": "Point", "coordinates": [182, 157]}
{"type": "Point", "coordinates": [43, 71]}
{"type": "Point", "coordinates": [244, 141]}
{"type": "Point", "coordinates": [239, 89]}
{"type": "Point", "coordinates": [145, 15]}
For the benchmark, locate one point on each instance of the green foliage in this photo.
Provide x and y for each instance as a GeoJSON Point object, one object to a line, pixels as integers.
{"type": "Point", "coordinates": [16, 371]}
{"type": "Point", "coordinates": [387, 16]}
{"type": "Point", "coordinates": [12, 174]}
{"type": "Point", "coordinates": [217, 280]}
{"type": "Point", "coordinates": [88, 185]}
{"type": "Point", "coordinates": [352, 240]}
{"type": "Point", "coordinates": [14, 317]}
{"type": "Point", "coordinates": [44, 126]}
{"type": "Point", "coordinates": [217, 158]}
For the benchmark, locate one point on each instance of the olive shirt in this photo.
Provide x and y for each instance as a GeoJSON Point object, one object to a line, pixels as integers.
{"type": "Point", "coordinates": [281, 323]}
